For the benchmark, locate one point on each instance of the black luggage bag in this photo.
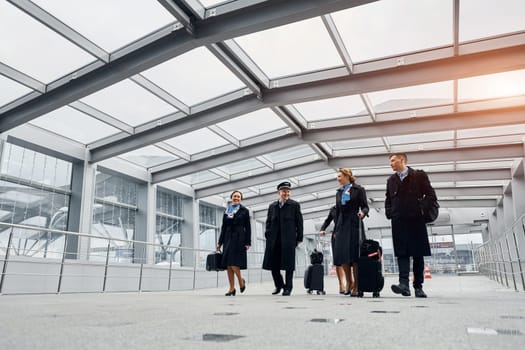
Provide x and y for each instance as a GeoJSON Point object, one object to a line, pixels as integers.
{"type": "Point", "coordinates": [214, 262]}
{"type": "Point", "coordinates": [314, 279]}
{"type": "Point", "coordinates": [369, 267]}
{"type": "Point", "coordinates": [314, 275]}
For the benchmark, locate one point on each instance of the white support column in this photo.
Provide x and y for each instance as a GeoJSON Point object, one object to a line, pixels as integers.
{"type": "Point", "coordinates": [501, 219]}
{"type": "Point", "coordinates": [508, 207]}
{"type": "Point", "coordinates": [86, 207]}
{"type": "Point", "coordinates": [196, 230]}
{"type": "Point", "coordinates": [151, 222]}
{"type": "Point", "coordinates": [518, 188]}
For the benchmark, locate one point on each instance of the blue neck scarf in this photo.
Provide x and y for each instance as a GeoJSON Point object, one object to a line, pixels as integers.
{"type": "Point", "coordinates": [345, 195]}
{"type": "Point", "coordinates": [232, 210]}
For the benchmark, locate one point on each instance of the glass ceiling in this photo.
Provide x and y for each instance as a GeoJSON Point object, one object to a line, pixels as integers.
{"type": "Point", "coordinates": [46, 59]}
{"type": "Point", "coordinates": [194, 77]}
{"type": "Point", "coordinates": [252, 124]}
{"type": "Point", "coordinates": [11, 90]}
{"type": "Point", "coordinates": [229, 106]}
{"type": "Point", "coordinates": [292, 49]}
{"type": "Point", "coordinates": [74, 125]}
{"type": "Point", "coordinates": [115, 101]}
{"type": "Point", "coordinates": [390, 27]}
{"type": "Point", "coordinates": [125, 20]}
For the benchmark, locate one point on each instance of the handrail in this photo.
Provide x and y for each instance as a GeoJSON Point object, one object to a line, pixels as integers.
{"type": "Point", "coordinates": [87, 235]}
{"type": "Point", "coordinates": [138, 258]}
{"type": "Point", "coordinates": [499, 261]}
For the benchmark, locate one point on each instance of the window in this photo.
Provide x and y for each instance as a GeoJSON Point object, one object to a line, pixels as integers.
{"type": "Point", "coordinates": [169, 227]}
{"type": "Point", "coordinates": [114, 214]}
{"type": "Point", "coordinates": [208, 227]}
{"type": "Point", "coordinates": [35, 190]}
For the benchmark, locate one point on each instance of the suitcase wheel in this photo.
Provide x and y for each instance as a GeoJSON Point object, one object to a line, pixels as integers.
{"type": "Point", "coordinates": [309, 291]}
{"type": "Point", "coordinates": [360, 294]}
{"type": "Point", "coordinates": [375, 295]}
{"type": "Point", "coordinates": [321, 292]}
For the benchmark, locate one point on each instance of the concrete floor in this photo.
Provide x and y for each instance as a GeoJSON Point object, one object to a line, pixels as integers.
{"type": "Point", "coordinates": [468, 312]}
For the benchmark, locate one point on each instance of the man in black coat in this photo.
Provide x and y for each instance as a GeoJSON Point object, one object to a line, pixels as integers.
{"type": "Point", "coordinates": [405, 188]}
{"type": "Point", "coordinates": [284, 231]}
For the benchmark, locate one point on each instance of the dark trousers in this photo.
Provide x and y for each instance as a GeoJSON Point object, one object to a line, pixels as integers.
{"type": "Point", "coordinates": [278, 279]}
{"type": "Point", "coordinates": [418, 267]}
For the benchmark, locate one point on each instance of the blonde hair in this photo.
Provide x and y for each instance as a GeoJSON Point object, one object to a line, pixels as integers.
{"type": "Point", "coordinates": [348, 173]}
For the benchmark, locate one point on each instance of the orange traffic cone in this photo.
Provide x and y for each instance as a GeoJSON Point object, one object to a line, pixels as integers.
{"type": "Point", "coordinates": [427, 272]}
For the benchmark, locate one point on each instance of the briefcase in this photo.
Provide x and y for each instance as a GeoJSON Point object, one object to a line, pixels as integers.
{"type": "Point", "coordinates": [214, 262]}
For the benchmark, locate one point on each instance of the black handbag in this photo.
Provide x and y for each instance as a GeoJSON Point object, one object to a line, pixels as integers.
{"type": "Point", "coordinates": [429, 209]}
{"type": "Point", "coordinates": [214, 262]}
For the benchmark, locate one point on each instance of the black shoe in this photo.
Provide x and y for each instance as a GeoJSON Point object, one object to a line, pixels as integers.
{"type": "Point", "coordinates": [287, 292]}
{"type": "Point", "coordinates": [230, 294]}
{"type": "Point", "coordinates": [277, 291]}
{"type": "Point", "coordinates": [346, 292]}
{"type": "Point", "coordinates": [243, 288]}
{"type": "Point", "coordinates": [401, 289]}
{"type": "Point", "coordinates": [419, 293]}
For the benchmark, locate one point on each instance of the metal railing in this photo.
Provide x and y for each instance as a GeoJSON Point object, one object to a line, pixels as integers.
{"type": "Point", "coordinates": [502, 258]}
{"type": "Point", "coordinates": [40, 260]}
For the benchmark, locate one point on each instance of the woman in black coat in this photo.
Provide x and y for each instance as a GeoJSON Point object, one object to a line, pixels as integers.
{"type": "Point", "coordinates": [235, 239]}
{"type": "Point", "coordinates": [338, 269]}
{"type": "Point", "coordinates": [351, 208]}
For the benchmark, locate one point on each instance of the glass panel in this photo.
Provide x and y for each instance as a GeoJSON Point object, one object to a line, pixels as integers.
{"type": "Point", "coordinates": [212, 3]}
{"type": "Point", "coordinates": [423, 137]}
{"type": "Point", "coordinates": [168, 234]}
{"type": "Point", "coordinates": [115, 189]}
{"type": "Point", "coordinates": [115, 222]}
{"type": "Point", "coordinates": [129, 103]}
{"type": "Point", "coordinates": [345, 106]}
{"type": "Point", "coordinates": [36, 167]}
{"type": "Point", "coordinates": [197, 141]}
{"type": "Point", "coordinates": [392, 27]}
{"type": "Point", "coordinates": [148, 156]}
{"type": "Point", "coordinates": [169, 203]}
{"type": "Point", "coordinates": [292, 49]}
{"type": "Point", "coordinates": [11, 90]}
{"type": "Point", "coordinates": [492, 131]}
{"type": "Point", "coordinates": [27, 205]}
{"type": "Point", "coordinates": [243, 165]}
{"type": "Point", "coordinates": [349, 152]}
{"type": "Point", "coordinates": [492, 86]}
{"type": "Point", "coordinates": [194, 77]}
{"type": "Point", "coordinates": [318, 175]}
{"type": "Point", "coordinates": [362, 143]}
{"type": "Point", "coordinates": [495, 140]}
{"type": "Point", "coordinates": [252, 124]}
{"type": "Point", "coordinates": [124, 20]}
{"type": "Point", "coordinates": [32, 48]}
{"type": "Point", "coordinates": [208, 227]}
{"type": "Point", "coordinates": [412, 97]}
{"type": "Point", "coordinates": [290, 154]}
{"type": "Point", "coordinates": [70, 123]}
{"type": "Point", "coordinates": [201, 176]}
{"type": "Point", "coordinates": [423, 146]}
{"type": "Point", "coordinates": [483, 18]}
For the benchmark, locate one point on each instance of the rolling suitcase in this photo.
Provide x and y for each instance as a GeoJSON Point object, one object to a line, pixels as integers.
{"type": "Point", "coordinates": [214, 262]}
{"type": "Point", "coordinates": [369, 267]}
{"type": "Point", "coordinates": [314, 275]}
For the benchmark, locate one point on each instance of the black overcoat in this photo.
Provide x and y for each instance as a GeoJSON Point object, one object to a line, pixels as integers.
{"type": "Point", "coordinates": [409, 230]}
{"type": "Point", "coordinates": [284, 228]}
{"type": "Point", "coordinates": [235, 236]}
{"type": "Point", "coordinates": [346, 230]}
